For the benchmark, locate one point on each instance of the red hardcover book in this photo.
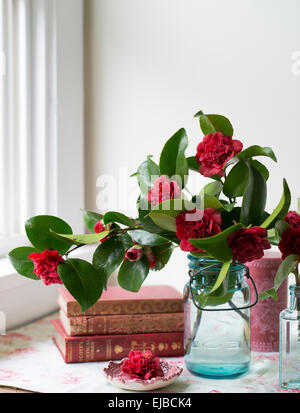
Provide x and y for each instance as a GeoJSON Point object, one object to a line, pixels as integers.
{"type": "Point", "coordinates": [104, 348]}
{"type": "Point", "coordinates": [149, 300]}
{"type": "Point", "coordinates": [122, 324]}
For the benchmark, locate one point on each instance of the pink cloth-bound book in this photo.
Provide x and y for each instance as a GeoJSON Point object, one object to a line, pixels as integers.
{"type": "Point", "coordinates": [265, 314]}
{"type": "Point", "coordinates": [115, 300]}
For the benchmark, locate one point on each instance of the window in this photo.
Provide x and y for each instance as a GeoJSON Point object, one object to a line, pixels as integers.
{"type": "Point", "coordinates": [41, 114]}
{"type": "Point", "coordinates": [41, 135]}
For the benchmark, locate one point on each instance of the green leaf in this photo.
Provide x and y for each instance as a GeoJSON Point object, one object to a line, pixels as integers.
{"type": "Point", "coordinates": [82, 280]}
{"type": "Point", "coordinates": [281, 226]}
{"type": "Point", "coordinates": [282, 208]}
{"type": "Point", "coordinates": [260, 167]}
{"type": "Point", "coordinates": [256, 150]}
{"type": "Point", "coordinates": [268, 293]}
{"type": "Point", "coordinates": [147, 172]}
{"type": "Point", "coordinates": [217, 245]}
{"type": "Point", "coordinates": [273, 236]}
{"type": "Point", "coordinates": [236, 181]}
{"type": "Point", "coordinates": [21, 263]}
{"type": "Point", "coordinates": [164, 215]}
{"type": "Point", "coordinates": [41, 231]}
{"type": "Point", "coordinates": [221, 276]}
{"type": "Point", "coordinates": [288, 265]}
{"type": "Point", "coordinates": [91, 218]}
{"type": "Point", "coordinates": [229, 207]}
{"type": "Point", "coordinates": [230, 218]}
{"type": "Point", "coordinates": [132, 274]}
{"type": "Point", "coordinates": [213, 188]}
{"type": "Point", "coordinates": [164, 221]}
{"type": "Point", "coordinates": [162, 255]}
{"type": "Point", "coordinates": [193, 164]}
{"type": "Point", "coordinates": [127, 241]}
{"type": "Point", "coordinates": [147, 222]}
{"type": "Point", "coordinates": [173, 162]}
{"type": "Point", "coordinates": [146, 238]}
{"type": "Point", "coordinates": [285, 268]}
{"type": "Point", "coordinates": [118, 217]}
{"type": "Point", "coordinates": [79, 239]}
{"type": "Point", "coordinates": [108, 256]}
{"type": "Point", "coordinates": [173, 207]}
{"type": "Point", "coordinates": [254, 199]}
{"type": "Point", "coordinates": [209, 201]}
{"type": "Point", "coordinates": [215, 123]}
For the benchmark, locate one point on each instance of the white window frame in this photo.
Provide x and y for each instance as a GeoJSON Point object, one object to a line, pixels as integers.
{"type": "Point", "coordinates": [69, 159]}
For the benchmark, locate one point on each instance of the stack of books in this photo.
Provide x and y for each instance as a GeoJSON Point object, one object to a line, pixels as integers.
{"type": "Point", "coordinates": [120, 321]}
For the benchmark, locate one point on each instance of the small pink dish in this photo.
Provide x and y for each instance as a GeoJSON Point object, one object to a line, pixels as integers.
{"type": "Point", "coordinates": [114, 374]}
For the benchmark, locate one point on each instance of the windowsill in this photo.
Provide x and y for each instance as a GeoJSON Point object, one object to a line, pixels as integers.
{"type": "Point", "coordinates": [23, 300]}
{"type": "Point", "coordinates": [7, 273]}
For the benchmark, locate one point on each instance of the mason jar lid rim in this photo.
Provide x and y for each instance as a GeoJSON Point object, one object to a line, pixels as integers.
{"type": "Point", "coordinates": [234, 266]}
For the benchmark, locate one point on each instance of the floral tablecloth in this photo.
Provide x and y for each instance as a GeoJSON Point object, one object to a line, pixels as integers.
{"type": "Point", "coordinates": [29, 360]}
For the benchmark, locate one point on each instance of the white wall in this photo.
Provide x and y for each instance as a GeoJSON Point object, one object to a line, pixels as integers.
{"type": "Point", "coordinates": [152, 64]}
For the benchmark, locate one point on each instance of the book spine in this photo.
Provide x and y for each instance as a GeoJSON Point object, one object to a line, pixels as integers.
{"type": "Point", "coordinates": [123, 324]}
{"type": "Point", "coordinates": [126, 307]}
{"type": "Point", "coordinates": [116, 348]}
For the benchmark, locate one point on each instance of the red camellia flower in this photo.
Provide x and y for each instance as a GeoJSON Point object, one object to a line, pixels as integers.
{"type": "Point", "coordinates": [45, 266]}
{"type": "Point", "coordinates": [99, 227]}
{"type": "Point", "coordinates": [197, 224]}
{"type": "Point", "coordinates": [215, 151]}
{"type": "Point", "coordinates": [142, 365]}
{"type": "Point", "coordinates": [134, 253]}
{"type": "Point", "coordinates": [163, 190]}
{"type": "Point", "coordinates": [248, 244]}
{"type": "Point", "coordinates": [290, 242]}
{"type": "Point", "coordinates": [293, 219]}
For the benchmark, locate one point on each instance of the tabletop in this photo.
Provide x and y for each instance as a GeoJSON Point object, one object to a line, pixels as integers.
{"type": "Point", "coordinates": [29, 360]}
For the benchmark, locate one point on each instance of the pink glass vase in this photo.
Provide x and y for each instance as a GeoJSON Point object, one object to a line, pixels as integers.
{"type": "Point", "coordinates": [265, 314]}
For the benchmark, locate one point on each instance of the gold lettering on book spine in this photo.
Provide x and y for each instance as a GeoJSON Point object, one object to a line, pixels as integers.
{"type": "Point", "coordinates": [81, 351]}
{"type": "Point", "coordinates": [69, 352]}
{"type": "Point", "coordinates": [108, 349]}
{"type": "Point", "coordinates": [89, 350]}
{"type": "Point", "coordinates": [130, 307]}
{"type": "Point", "coordinates": [118, 349]}
{"type": "Point", "coordinates": [142, 346]}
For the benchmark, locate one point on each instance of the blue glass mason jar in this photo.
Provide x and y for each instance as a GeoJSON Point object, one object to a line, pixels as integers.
{"type": "Point", "coordinates": [289, 342]}
{"type": "Point", "coordinates": [217, 329]}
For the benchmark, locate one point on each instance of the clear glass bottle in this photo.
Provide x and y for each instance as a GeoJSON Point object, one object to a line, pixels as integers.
{"type": "Point", "coordinates": [289, 344]}
{"type": "Point", "coordinates": [217, 342]}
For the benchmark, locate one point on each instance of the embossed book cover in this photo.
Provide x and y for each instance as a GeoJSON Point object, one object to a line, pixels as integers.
{"type": "Point", "coordinates": [114, 347]}
{"type": "Point", "coordinates": [122, 324]}
{"type": "Point", "coordinates": [115, 300]}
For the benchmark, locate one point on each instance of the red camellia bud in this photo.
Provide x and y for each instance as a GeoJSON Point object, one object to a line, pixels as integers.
{"type": "Point", "coordinates": [134, 253]}
{"type": "Point", "coordinates": [45, 266]}
{"type": "Point", "coordinates": [248, 244]}
{"type": "Point", "coordinates": [142, 365]}
{"type": "Point", "coordinates": [150, 256]}
{"type": "Point", "coordinates": [163, 190]}
{"type": "Point", "coordinates": [99, 227]}
{"type": "Point", "coordinates": [197, 224]}
{"type": "Point", "coordinates": [214, 152]}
